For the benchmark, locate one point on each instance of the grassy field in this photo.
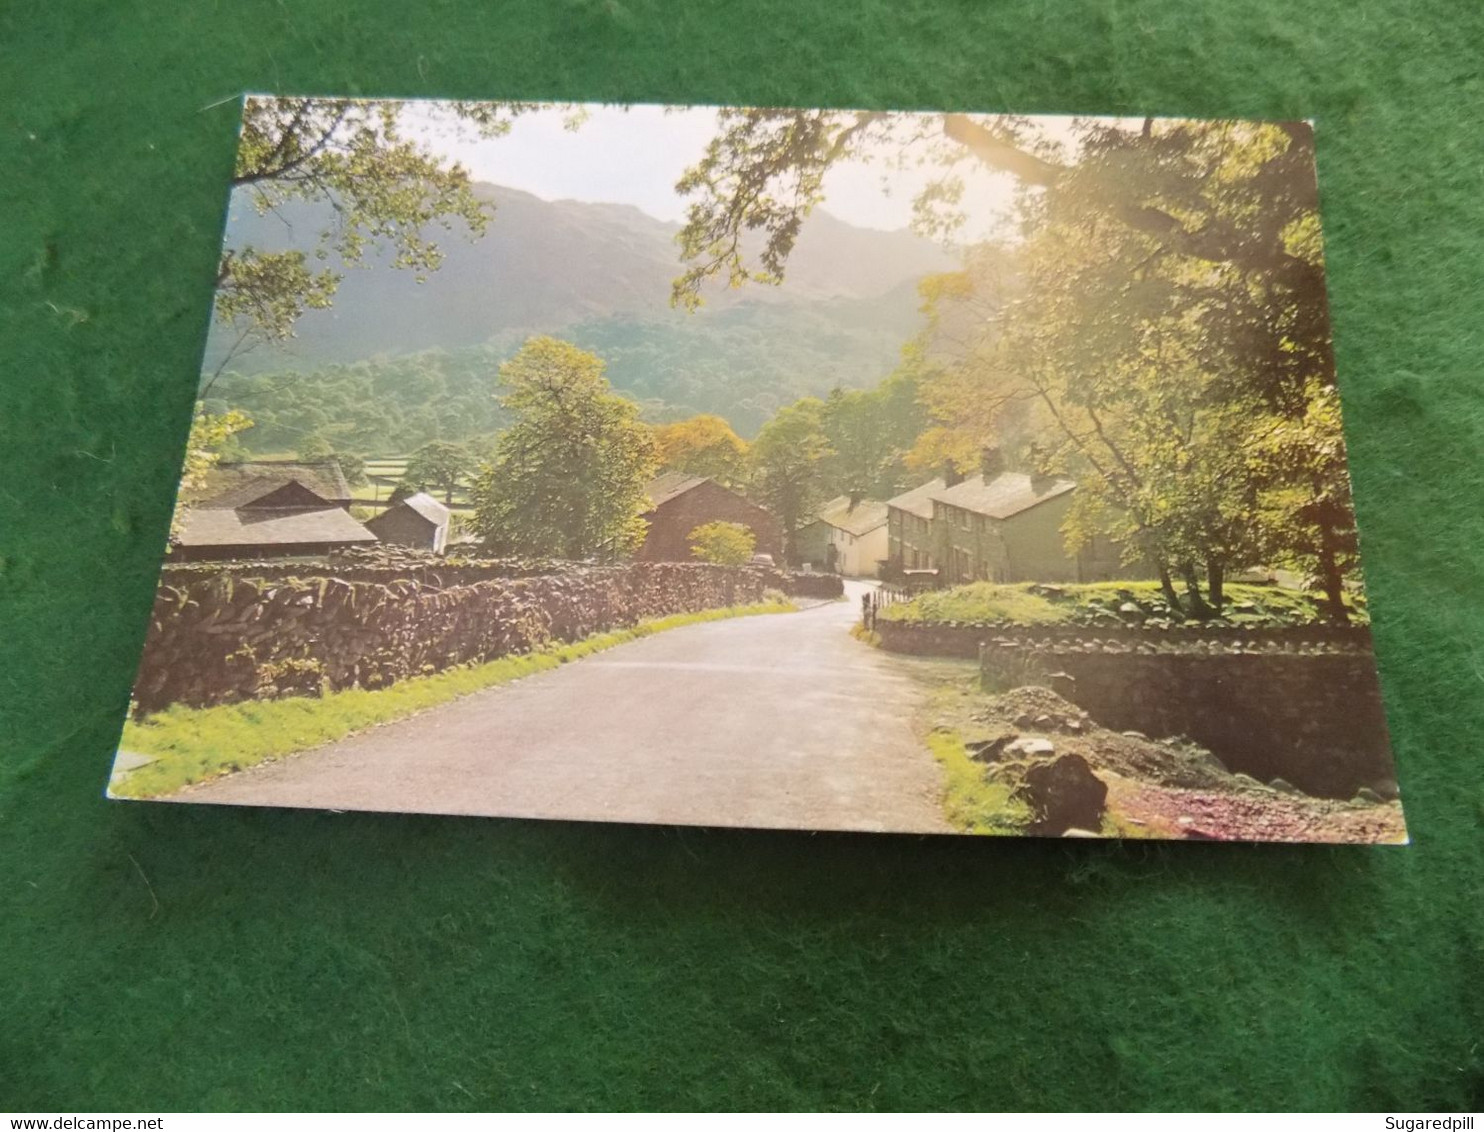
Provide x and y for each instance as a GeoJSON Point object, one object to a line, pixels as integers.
{"type": "Point", "coordinates": [1103, 603]}
{"type": "Point", "coordinates": [385, 472]}
{"type": "Point", "coordinates": [194, 744]}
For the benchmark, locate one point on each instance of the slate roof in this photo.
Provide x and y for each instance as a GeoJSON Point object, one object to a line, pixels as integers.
{"type": "Point", "coordinates": [265, 491]}
{"type": "Point", "coordinates": [270, 526]}
{"type": "Point", "coordinates": [323, 477]}
{"type": "Point", "coordinates": [862, 518]}
{"type": "Point", "coordinates": [667, 486]}
{"type": "Point", "coordinates": [918, 501]}
{"type": "Point", "coordinates": [1005, 495]}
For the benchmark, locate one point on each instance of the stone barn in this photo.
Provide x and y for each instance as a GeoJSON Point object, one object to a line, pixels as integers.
{"type": "Point", "coordinates": [418, 520]}
{"type": "Point", "coordinates": [679, 503]}
{"type": "Point", "coordinates": [265, 517]}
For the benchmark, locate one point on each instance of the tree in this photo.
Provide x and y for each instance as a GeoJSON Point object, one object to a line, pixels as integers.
{"type": "Point", "coordinates": [385, 189]}
{"type": "Point", "coordinates": [567, 477]}
{"type": "Point", "coordinates": [314, 447]}
{"type": "Point", "coordinates": [1211, 255]}
{"type": "Point", "coordinates": [727, 544]}
{"type": "Point", "coordinates": [439, 464]}
{"type": "Point", "coordinates": [210, 432]}
{"type": "Point", "coordinates": [704, 445]}
{"type": "Point", "coordinates": [870, 432]}
{"type": "Point", "coordinates": [788, 466]}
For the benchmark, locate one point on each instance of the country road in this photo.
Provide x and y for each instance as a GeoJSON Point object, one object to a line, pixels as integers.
{"type": "Point", "coordinates": [780, 721]}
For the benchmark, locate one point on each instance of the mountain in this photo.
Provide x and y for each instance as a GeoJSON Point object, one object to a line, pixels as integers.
{"type": "Point", "coordinates": [599, 275]}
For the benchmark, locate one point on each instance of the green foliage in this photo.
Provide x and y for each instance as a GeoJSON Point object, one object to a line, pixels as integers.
{"type": "Point", "coordinates": [195, 744]}
{"type": "Point", "coordinates": [386, 191]}
{"type": "Point", "coordinates": [871, 432]}
{"type": "Point", "coordinates": [568, 476]}
{"type": "Point", "coordinates": [980, 602]}
{"type": "Point", "coordinates": [1168, 348]}
{"type": "Point", "coordinates": [788, 466]}
{"type": "Point", "coordinates": [704, 445]}
{"type": "Point", "coordinates": [1161, 333]}
{"type": "Point", "coordinates": [740, 364]}
{"type": "Point", "coordinates": [441, 465]}
{"type": "Point", "coordinates": [1108, 604]}
{"type": "Point", "coordinates": [210, 434]}
{"type": "Point", "coordinates": [727, 544]}
{"type": "Point", "coordinates": [385, 405]}
{"type": "Point", "coordinates": [314, 447]}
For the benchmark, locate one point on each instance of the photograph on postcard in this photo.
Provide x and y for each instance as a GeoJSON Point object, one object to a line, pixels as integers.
{"type": "Point", "coordinates": [921, 472]}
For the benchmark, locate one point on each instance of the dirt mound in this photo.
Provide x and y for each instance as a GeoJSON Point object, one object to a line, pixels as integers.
{"type": "Point", "coordinates": [1034, 712]}
{"type": "Point", "coordinates": [1163, 787]}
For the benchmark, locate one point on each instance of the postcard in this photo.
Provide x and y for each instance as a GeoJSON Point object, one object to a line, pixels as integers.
{"type": "Point", "coordinates": [816, 469]}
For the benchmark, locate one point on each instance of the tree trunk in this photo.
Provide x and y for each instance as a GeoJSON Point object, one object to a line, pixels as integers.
{"type": "Point", "coordinates": [1215, 584]}
{"type": "Point", "coordinates": [1332, 576]}
{"type": "Point", "coordinates": [1198, 607]}
{"type": "Point", "coordinates": [1167, 587]}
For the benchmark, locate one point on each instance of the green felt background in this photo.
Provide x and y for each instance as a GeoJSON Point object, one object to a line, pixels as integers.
{"type": "Point", "coordinates": [161, 957]}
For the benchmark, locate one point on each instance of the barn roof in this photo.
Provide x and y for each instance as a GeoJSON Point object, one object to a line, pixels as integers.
{"type": "Point", "coordinates": [857, 518]}
{"type": "Point", "coordinates": [323, 477]}
{"type": "Point", "coordinates": [270, 526]}
{"type": "Point", "coordinates": [668, 485]}
{"type": "Point", "coordinates": [427, 507]}
{"type": "Point", "coordinates": [1004, 495]}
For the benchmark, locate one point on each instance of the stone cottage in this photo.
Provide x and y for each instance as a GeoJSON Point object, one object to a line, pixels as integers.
{"type": "Point", "coordinates": [996, 526]}
{"type": "Point", "coordinates": [848, 537]}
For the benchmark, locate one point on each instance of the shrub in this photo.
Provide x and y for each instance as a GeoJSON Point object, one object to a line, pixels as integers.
{"type": "Point", "coordinates": [726, 544]}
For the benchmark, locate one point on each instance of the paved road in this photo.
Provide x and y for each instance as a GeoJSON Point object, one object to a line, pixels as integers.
{"type": "Point", "coordinates": [778, 721]}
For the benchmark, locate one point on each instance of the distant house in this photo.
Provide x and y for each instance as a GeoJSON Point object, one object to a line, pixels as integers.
{"type": "Point", "coordinates": [679, 503]}
{"type": "Point", "coordinates": [266, 517]}
{"type": "Point", "coordinates": [323, 477]}
{"type": "Point", "coordinates": [852, 532]}
{"type": "Point", "coordinates": [909, 527]}
{"type": "Point", "coordinates": [997, 526]}
{"type": "Point", "coordinates": [418, 520]}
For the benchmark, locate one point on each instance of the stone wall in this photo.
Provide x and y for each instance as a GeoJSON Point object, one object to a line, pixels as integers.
{"type": "Point", "coordinates": [224, 638]}
{"type": "Point", "coordinates": [1303, 705]}
{"type": "Point", "coordinates": [425, 569]}
{"type": "Point", "coordinates": [962, 639]}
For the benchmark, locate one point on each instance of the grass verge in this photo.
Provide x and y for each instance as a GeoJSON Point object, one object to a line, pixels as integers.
{"type": "Point", "coordinates": [971, 803]}
{"type": "Point", "coordinates": [191, 745]}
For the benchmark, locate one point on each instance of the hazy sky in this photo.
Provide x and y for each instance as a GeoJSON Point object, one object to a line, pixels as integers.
{"type": "Point", "coordinates": [635, 155]}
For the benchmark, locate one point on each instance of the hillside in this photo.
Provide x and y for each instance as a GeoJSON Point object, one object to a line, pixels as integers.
{"type": "Point", "coordinates": [396, 362]}
{"type": "Point", "coordinates": [543, 266]}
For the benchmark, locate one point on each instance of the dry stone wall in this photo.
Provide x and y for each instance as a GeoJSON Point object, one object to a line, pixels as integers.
{"type": "Point", "coordinates": [1300, 704]}
{"type": "Point", "coordinates": [224, 638]}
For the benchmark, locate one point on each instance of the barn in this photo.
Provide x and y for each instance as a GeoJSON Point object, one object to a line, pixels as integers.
{"type": "Point", "coordinates": [679, 503]}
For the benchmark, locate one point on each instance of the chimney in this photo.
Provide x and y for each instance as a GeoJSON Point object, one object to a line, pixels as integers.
{"type": "Point", "coordinates": [991, 462]}
{"type": "Point", "coordinates": [856, 495]}
{"type": "Point", "coordinates": [952, 477]}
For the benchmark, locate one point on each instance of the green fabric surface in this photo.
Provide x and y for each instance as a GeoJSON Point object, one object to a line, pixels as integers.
{"type": "Point", "coordinates": [158, 957]}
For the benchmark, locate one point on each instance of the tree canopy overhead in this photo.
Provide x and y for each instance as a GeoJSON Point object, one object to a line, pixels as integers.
{"type": "Point", "coordinates": [384, 187]}
{"type": "Point", "coordinates": [1159, 328]}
